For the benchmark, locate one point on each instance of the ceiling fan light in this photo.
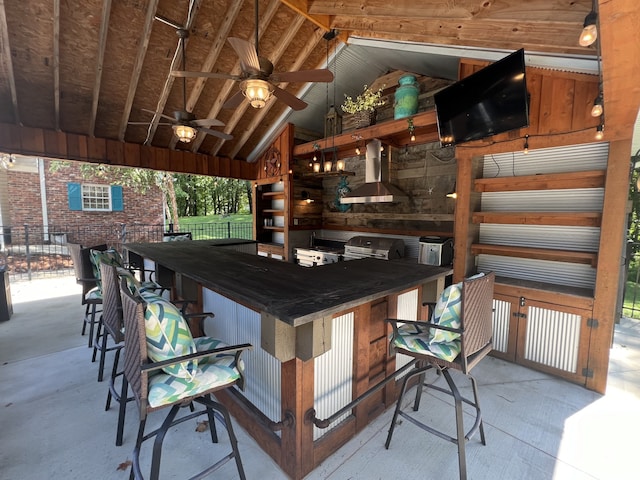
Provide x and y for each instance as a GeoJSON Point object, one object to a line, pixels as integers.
{"type": "Point", "coordinates": [257, 91]}
{"type": "Point", "coordinates": [185, 133]}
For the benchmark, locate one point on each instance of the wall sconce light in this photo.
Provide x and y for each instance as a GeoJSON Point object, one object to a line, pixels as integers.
{"type": "Point", "coordinates": [306, 197]}
{"type": "Point", "coordinates": [589, 33]}
{"type": "Point", "coordinates": [526, 145]}
{"type": "Point", "coordinates": [412, 129]}
{"type": "Point", "coordinates": [453, 194]}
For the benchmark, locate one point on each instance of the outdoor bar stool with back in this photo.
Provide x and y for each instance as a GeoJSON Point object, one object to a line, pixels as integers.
{"type": "Point", "coordinates": [166, 368]}
{"type": "Point", "coordinates": [458, 336]}
{"type": "Point", "coordinates": [85, 276]}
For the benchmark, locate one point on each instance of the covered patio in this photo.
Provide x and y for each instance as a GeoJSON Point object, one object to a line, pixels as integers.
{"type": "Point", "coordinates": [54, 425]}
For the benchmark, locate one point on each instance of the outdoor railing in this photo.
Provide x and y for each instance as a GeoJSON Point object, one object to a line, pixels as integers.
{"type": "Point", "coordinates": [34, 251]}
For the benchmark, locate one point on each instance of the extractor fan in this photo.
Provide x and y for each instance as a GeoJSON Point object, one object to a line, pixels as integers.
{"type": "Point", "coordinates": [184, 123]}
{"type": "Point", "coordinates": [257, 80]}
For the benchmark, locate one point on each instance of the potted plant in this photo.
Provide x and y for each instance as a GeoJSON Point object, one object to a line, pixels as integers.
{"type": "Point", "coordinates": [363, 107]}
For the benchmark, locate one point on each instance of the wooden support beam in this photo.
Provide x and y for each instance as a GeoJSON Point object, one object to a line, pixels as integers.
{"type": "Point", "coordinates": [102, 43]}
{"type": "Point", "coordinates": [6, 59]}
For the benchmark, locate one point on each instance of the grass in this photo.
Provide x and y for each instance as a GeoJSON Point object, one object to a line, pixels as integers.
{"type": "Point", "coordinates": [631, 306]}
{"type": "Point", "coordinates": [234, 218]}
{"type": "Point", "coordinates": [208, 227]}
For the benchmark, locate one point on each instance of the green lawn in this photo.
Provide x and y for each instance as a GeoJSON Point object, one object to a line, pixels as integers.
{"type": "Point", "coordinates": [631, 297]}
{"type": "Point", "coordinates": [218, 226]}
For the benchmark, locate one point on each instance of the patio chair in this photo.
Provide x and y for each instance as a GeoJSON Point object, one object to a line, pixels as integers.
{"type": "Point", "coordinates": [457, 338]}
{"type": "Point", "coordinates": [166, 368]}
{"type": "Point", "coordinates": [85, 276]}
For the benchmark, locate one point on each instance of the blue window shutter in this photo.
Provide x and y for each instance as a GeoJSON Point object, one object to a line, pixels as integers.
{"type": "Point", "coordinates": [117, 203]}
{"type": "Point", "coordinates": [74, 194]}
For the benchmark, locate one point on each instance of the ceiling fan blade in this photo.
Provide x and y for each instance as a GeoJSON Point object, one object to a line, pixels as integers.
{"type": "Point", "coordinates": [234, 100]}
{"type": "Point", "coordinates": [321, 75]}
{"type": "Point", "coordinates": [208, 122]}
{"type": "Point", "coordinates": [216, 133]}
{"type": "Point", "coordinates": [159, 113]}
{"type": "Point", "coordinates": [247, 54]}
{"type": "Point", "coordinates": [291, 100]}
{"type": "Point", "coordinates": [185, 74]}
{"type": "Point", "coordinates": [146, 124]}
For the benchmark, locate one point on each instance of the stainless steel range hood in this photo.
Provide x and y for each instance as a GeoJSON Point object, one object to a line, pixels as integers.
{"type": "Point", "coordinates": [376, 189]}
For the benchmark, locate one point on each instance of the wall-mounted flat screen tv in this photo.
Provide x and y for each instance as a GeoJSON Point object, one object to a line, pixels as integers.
{"type": "Point", "coordinates": [490, 101]}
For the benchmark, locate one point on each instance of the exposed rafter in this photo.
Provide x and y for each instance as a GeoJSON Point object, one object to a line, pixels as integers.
{"type": "Point", "coordinates": [56, 62]}
{"type": "Point", "coordinates": [102, 44]}
{"type": "Point", "coordinates": [137, 66]}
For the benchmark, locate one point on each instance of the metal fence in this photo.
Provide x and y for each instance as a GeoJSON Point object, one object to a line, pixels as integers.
{"type": "Point", "coordinates": [35, 251]}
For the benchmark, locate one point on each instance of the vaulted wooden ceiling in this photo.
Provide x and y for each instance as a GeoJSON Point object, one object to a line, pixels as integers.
{"type": "Point", "coordinates": [90, 67]}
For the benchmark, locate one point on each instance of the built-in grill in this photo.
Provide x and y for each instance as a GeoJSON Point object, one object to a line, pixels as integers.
{"type": "Point", "coordinates": [312, 257]}
{"type": "Point", "coordinates": [373, 247]}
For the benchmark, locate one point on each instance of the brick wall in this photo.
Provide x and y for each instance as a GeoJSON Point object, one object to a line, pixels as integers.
{"type": "Point", "coordinates": [26, 205]}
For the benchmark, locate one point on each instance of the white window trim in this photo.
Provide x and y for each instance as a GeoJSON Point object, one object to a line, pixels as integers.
{"type": "Point", "coordinates": [95, 185]}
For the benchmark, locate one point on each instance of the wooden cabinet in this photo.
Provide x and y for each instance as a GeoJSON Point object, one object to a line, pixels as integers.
{"type": "Point", "coordinates": [271, 214]}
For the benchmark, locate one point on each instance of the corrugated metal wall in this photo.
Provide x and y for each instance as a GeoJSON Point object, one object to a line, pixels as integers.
{"type": "Point", "coordinates": [501, 316]}
{"type": "Point", "coordinates": [333, 373]}
{"type": "Point", "coordinates": [407, 310]}
{"type": "Point", "coordinates": [234, 323]}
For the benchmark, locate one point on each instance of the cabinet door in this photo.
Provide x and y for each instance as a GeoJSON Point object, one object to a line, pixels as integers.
{"type": "Point", "coordinates": [506, 312]}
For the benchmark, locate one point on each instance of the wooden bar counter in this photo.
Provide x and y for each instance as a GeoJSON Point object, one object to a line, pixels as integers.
{"type": "Point", "coordinates": [319, 336]}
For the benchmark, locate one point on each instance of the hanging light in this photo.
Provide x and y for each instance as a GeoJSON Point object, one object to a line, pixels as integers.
{"type": "Point", "coordinates": [412, 129]}
{"type": "Point", "coordinates": [453, 194]}
{"type": "Point", "coordinates": [589, 33]}
{"type": "Point", "coordinates": [257, 91]}
{"type": "Point", "coordinates": [526, 145]}
{"type": "Point", "coordinates": [599, 132]}
{"type": "Point", "coordinates": [185, 133]}
{"type": "Point", "coordinates": [597, 109]}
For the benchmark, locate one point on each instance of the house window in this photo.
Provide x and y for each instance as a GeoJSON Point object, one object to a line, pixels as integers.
{"type": "Point", "coordinates": [95, 198]}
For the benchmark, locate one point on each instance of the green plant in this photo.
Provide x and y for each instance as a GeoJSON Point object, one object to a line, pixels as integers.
{"type": "Point", "coordinates": [367, 100]}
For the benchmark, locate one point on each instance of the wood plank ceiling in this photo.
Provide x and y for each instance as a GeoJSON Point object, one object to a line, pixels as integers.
{"type": "Point", "coordinates": [90, 67]}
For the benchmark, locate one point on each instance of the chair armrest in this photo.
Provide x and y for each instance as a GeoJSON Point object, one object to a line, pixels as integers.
{"type": "Point", "coordinates": [424, 324]}
{"type": "Point", "coordinates": [152, 366]}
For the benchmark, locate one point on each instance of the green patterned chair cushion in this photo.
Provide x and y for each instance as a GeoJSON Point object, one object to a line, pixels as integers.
{"type": "Point", "coordinates": [447, 314]}
{"type": "Point", "coordinates": [165, 389]}
{"type": "Point", "coordinates": [137, 287]}
{"type": "Point", "coordinates": [168, 337]}
{"type": "Point", "coordinates": [226, 359]}
{"type": "Point", "coordinates": [93, 295]}
{"type": "Point", "coordinates": [109, 256]}
{"type": "Point", "coordinates": [420, 343]}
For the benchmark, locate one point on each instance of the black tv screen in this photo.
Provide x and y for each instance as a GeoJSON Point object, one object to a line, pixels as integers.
{"type": "Point", "coordinates": [490, 101]}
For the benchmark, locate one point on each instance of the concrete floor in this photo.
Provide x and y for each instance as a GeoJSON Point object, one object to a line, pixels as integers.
{"type": "Point", "coordinates": [53, 424]}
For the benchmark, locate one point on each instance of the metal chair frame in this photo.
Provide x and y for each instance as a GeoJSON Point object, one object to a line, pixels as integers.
{"type": "Point", "coordinates": [137, 368]}
{"type": "Point", "coordinates": [476, 333]}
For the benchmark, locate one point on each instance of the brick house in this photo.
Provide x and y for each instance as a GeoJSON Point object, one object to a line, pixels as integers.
{"type": "Point", "coordinates": [62, 206]}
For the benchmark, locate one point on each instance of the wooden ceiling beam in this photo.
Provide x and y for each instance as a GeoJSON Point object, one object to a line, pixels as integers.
{"type": "Point", "coordinates": [259, 116]}
{"type": "Point", "coordinates": [281, 47]}
{"type": "Point", "coordinates": [228, 85]}
{"type": "Point", "coordinates": [102, 44]}
{"type": "Point", "coordinates": [6, 59]}
{"type": "Point", "coordinates": [176, 62]}
{"type": "Point", "coordinates": [137, 66]}
{"type": "Point", "coordinates": [301, 7]}
{"type": "Point", "coordinates": [214, 52]}
{"type": "Point", "coordinates": [56, 63]}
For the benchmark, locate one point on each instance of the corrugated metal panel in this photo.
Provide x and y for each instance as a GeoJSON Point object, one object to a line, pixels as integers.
{"type": "Point", "coordinates": [559, 273]}
{"type": "Point", "coordinates": [501, 316]}
{"type": "Point", "coordinates": [234, 323]}
{"type": "Point", "coordinates": [543, 236]}
{"type": "Point", "coordinates": [575, 158]}
{"type": "Point", "coordinates": [407, 310]}
{"type": "Point", "coordinates": [553, 338]}
{"type": "Point", "coordinates": [333, 374]}
{"type": "Point", "coordinates": [567, 200]}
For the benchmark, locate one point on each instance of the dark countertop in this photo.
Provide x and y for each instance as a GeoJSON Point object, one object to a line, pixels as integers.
{"type": "Point", "coordinates": [294, 294]}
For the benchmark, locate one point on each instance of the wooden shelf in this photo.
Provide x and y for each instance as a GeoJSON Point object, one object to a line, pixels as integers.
{"type": "Point", "coordinates": [274, 228]}
{"type": "Point", "coordinates": [570, 256]}
{"type": "Point", "coordinates": [272, 194]}
{"type": "Point", "coordinates": [395, 132]}
{"type": "Point", "coordinates": [570, 219]}
{"type": "Point", "coordinates": [551, 181]}
{"type": "Point", "coordinates": [341, 173]}
{"type": "Point", "coordinates": [274, 212]}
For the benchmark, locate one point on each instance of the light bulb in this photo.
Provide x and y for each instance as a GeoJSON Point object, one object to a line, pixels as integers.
{"type": "Point", "coordinates": [357, 150]}
{"type": "Point", "coordinates": [413, 138]}
{"type": "Point", "coordinates": [597, 109]}
{"type": "Point", "coordinates": [589, 33]}
{"type": "Point", "coordinates": [599, 132]}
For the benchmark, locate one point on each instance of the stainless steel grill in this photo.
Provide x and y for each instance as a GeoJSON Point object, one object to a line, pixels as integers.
{"type": "Point", "coordinates": [373, 247]}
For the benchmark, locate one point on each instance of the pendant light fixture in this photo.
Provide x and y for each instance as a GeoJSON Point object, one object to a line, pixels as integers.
{"type": "Point", "coordinates": [589, 32]}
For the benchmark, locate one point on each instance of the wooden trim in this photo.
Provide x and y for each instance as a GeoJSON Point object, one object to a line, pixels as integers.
{"type": "Point", "coordinates": [587, 179]}
{"type": "Point", "coordinates": [588, 258]}
{"type": "Point", "coordinates": [575, 219]}
{"type": "Point", "coordinates": [576, 300]}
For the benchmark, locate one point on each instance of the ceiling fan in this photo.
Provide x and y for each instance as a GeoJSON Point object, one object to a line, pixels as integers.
{"type": "Point", "coordinates": [257, 80]}
{"type": "Point", "coordinates": [184, 123]}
